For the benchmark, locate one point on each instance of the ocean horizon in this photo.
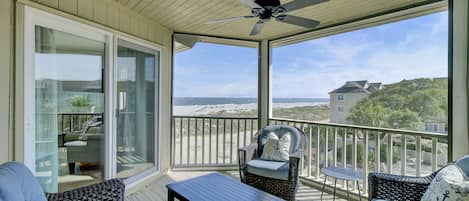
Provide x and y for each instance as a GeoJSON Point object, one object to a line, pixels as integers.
{"type": "Point", "coordinates": [182, 101]}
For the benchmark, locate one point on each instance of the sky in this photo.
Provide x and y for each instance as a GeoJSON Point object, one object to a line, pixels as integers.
{"type": "Point", "coordinates": [389, 53]}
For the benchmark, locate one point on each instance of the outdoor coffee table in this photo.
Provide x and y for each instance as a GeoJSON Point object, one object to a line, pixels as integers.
{"type": "Point", "coordinates": [216, 187]}
{"type": "Point", "coordinates": [346, 174]}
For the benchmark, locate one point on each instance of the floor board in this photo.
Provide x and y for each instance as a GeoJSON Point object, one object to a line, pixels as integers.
{"type": "Point", "coordinates": [156, 191]}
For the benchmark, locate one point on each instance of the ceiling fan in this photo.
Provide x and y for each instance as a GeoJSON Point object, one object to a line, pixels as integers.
{"type": "Point", "coordinates": [265, 10]}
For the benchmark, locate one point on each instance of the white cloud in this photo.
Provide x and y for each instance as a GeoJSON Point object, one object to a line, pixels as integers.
{"type": "Point", "coordinates": [325, 64]}
{"type": "Point", "coordinates": [415, 56]}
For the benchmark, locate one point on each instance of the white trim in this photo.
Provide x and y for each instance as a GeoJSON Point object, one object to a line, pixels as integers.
{"type": "Point", "coordinates": [460, 127]}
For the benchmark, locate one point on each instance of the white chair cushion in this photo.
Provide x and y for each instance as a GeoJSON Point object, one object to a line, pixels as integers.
{"type": "Point", "coordinates": [76, 143]}
{"type": "Point", "coordinates": [450, 184]}
{"type": "Point", "coordinates": [276, 149]}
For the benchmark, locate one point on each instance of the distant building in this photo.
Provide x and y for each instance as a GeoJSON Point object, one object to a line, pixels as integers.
{"type": "Point", "coordinates": [436, 127]}
{"type": "Point", "coordinates": [344, 98]}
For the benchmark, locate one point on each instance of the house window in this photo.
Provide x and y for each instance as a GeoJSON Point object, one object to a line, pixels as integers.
{"type": "Point", "coordinates": [340, 109]}
{"type": "Point", "coordinates": [340, 97]}
{"type": "Point", "coordinates": [431, 127]}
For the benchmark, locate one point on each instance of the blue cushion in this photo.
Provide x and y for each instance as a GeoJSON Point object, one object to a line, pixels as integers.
{"type": "Point", "coordinates": [280, 130]}
{"type": "Point", "coordinates": [18, 183]}
{"type": "Point", "coordinates": [270, 169]}
{"type": "Point", "coordinates": [463, 163]}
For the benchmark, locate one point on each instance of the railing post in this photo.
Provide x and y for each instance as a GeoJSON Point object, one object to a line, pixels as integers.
{"type": "Point", "coordinates": [173, 141]}
{"type": "Point", "coordinates": [217, 143]}
{"type": "Point", "coordinates": [418, 160]}
{"type": "Point", "coordinates": [302, 160]}
{"type": "Point", "coordinates": [224, 140]}
{"type": "Point", "coordinates": [354, 154]}
{"type": "Point", "coordinates": [389, 154]}
{"type": "Point", "coordinates": [378, 152]}
{"type": "Point", "coordinates": [210, 142]}
{"type": "Point", "coordinates": [245, 131]}
{"type": "Point", "coordinates": [434, 153]}
{"type": "Point", "coordinates": [195, 142]}
{"type": "Point", "coordinates": [237, 142]}
{"type": "Point", "coordinates": [310, 139]}
{"type": "Point", "coordinates": [344, 152]}
{"type": "Point", "coordinates": [188, 151]}
{"type": "Point", "coordinates": [365, 162]}
{"type": "Point", "coordinates": [318, 138]}
{"type": "Point", "coordinates": [403, 154]}
{"type": "Point", "coordinates": [326, 147]}
{"type": "Point", "coordinates": [180, 140]}
{"type": "Point", "coordinates": [334, 147]}
{"type": "Point", "coordinates": [231, 141]}
{"type": "Point", "coordinates": [203, 140]}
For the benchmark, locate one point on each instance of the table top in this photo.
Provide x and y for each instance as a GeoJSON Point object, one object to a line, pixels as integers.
{"type": "Point", "coordinates": [342, 173]}
{"type": "Point", "coordinates": [218, 187]}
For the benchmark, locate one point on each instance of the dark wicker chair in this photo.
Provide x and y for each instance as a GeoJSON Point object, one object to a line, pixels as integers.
{"type": "Point", "coordinates": [394, 187]}
{"type": "Point", "coordinates": [110, 190]}
{"type": "Point", "coordinates": [399, 188]}
{"type": "Point", "coordinates": [284, 188]}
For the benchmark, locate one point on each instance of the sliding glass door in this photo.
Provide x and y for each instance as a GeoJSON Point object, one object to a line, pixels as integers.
{"type": "Point", "coordinates": [69, 105]}
{"type": "Point", "coordinates": [90, 103]}
{"type": "Point", "coordinates": [136, 78]}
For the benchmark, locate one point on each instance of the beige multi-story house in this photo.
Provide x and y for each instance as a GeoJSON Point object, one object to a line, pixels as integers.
{"type": "Point", "coordinates": [344, 98]}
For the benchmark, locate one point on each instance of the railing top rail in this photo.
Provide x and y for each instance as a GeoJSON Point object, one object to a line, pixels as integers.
{"type": "Point", "coordinates": [80, 113]}
{"type": "Point", "coordinates": [369, 128]}
{"type": "Point", "coordinates": [214, 117]}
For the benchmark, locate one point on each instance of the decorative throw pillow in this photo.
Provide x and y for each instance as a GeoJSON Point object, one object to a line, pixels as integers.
{"type": "Point", "coordinates": [276, 149]}
{"type": "Point", "coordinates": [450, 184]}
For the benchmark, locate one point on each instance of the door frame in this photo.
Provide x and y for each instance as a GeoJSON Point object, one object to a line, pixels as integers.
{"type": "Point", "coordinates": [34, 16]}
{"type": "Point", "coordinates": [157, 52]}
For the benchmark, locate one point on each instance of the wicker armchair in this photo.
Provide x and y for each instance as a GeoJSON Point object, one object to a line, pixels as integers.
{"type": "Point", "coordinates": [394, 187]}
{"type": "Point", "coordinates": [399, 188]}
{"type": "Point", "coordinates": [283, 186]}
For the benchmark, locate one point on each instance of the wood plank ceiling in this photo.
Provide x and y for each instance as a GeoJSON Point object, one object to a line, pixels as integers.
{"type": "Point", "coordinates": [189, 16]}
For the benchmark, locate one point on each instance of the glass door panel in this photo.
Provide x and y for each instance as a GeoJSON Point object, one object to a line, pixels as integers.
{"type": "Point", "coordinates": [136, 123]}
{"type": "Point", "coordinates": [69, 104]}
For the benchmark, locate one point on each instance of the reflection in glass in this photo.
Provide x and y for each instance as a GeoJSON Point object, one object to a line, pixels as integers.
{"type": "Point", "coordinates": [69, 106]}
{"type": "Point", "coordinates": [136, 106]}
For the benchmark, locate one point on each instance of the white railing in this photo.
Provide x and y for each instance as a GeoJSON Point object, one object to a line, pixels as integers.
{"type": "Point", "coordinates": [210, 141]}
{"type": "Point", "coordinates": [207, 142]}
{"type": "Point", "coordinates": [400, 151]}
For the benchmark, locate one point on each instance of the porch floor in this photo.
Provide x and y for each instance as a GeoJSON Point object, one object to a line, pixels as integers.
{"type": "Point", "coordinates": [157, 190]}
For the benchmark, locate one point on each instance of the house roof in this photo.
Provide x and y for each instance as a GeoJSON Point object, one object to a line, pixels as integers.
{"type": "Point", "coordinates": [360, 86]}
{"type": "Point", "coordinates": [191, 16]}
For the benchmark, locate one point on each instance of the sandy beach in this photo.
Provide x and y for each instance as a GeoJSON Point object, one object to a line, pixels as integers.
{"type": "Point", "coordinates": [198, 110]}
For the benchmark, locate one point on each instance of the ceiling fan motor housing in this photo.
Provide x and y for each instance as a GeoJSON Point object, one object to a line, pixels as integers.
{"type": "Point", "coordinates": [265, 3]}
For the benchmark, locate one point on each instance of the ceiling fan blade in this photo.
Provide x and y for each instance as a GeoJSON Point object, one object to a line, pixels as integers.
{"type": "Point", "coordinates": [257, 28]}
{"type": "Point", "coordinates": [229, 19]}
{"type": "Point", "coordinates": [298, 4]}
{"type": "Point", "coordinates": [252, 4]}
{"type": "Point", "coordinates": [300, 21]}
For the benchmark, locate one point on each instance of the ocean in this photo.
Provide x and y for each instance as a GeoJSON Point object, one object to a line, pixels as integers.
{"type": "Point", "coordinates": [183, 101]}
